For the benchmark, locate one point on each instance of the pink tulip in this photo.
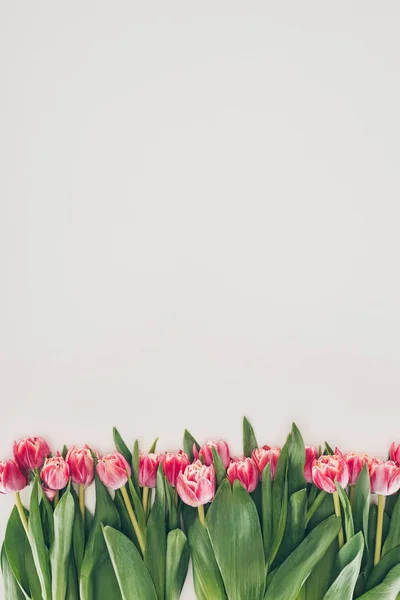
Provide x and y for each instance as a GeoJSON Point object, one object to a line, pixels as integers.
{"type": "Point", "coordinates": [355, 464]}
{"type": "Point", "coordinates": [12, 479]}
{"type": "Point", "coordinates": [311, 455]}
{"type": "Point", "coordinates": [395, 453]}
{"type": "Point", "coordinates": [385, 478]}
{"type": "Point", "coordinates": [205, 452]}
{"type": "Point", "coordinates": [113, 470]}
{"type": "Point", "coordinates": [148, 468]}
{"type": "Point", "coordinates": [244, 470]}
{"type": "Point", "coordinates": [264, 456]}
{"type": "Point", "coordinates": [55, 472]}
{"type": "Point", "coordinates": [31, 452]}
{"type": "Point", "coordinates": [328, 469]}
{"type": "Point", "coordinates": [196, 485]}
{"type": "Point", "coordinates": [173, 464]}
{"type": "Point", "coordinates": [50, 494]}
{"type": "Point", "coordinates": [81, 465]}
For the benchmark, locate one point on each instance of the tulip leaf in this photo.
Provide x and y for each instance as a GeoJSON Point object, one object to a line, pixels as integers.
{"type": "Point", "coordinates": [220, 471]}
{"type": "Point", "coordinates": [96, 551]}
{"type": "Point", "coordinates": [138, 506]}
{"type": "Point", "coordinates": [266, 509]}
{"type": "Point", "coordinates": [393, 537]}
{"type": "Point", "coordinates": [240, 556]}
{"type": "Point", "coordinates": [36, 539]}
{"type": "Point", "coordinates": [126, 523]}
{"type": "Point", "coordinates": [328, 449]}
{"type": "Point", "coordinates": [315, 505]}
{"type": "Point", "coordinates": [33, 579]}
{"type": "Point", "coordinates": [348, 517]}
{"type": "Point", "coordinates": [249, 438]}
{"type": "Point", "coordinates": [280, 531]}
{"type": "Point", "coordinates": [361, 503]}
{"type": "Point", "coordinates": [295, 525]}
{"type": "Point", "coordinates": [153, 446]}
{"type": "Point", "coordinates": [388, 589]}
{"type": "Point", "coordinates": [133, 577]}
{"type": "Point", "coordinates": [348, 568]}
{"type": "Point", "coordinates": [156, 537]}
{"type": "Point", "coordinates": [188, 443]}
{"type": "Point", "coordinates": [379, 572]}
{"type": "Point", "coordinates": [11, 587]}
{"type": "Point", "coordinates": [278, 488]}
{"type": "Point", "coordinates": [73, 582]}
{"type": "Point", "coordinates": [78, 533]}
{"type": "Point", "coordinates": [61, 546]}
{"type": "Point", "coordinates": [207, 578]}
{"type": "Point", "coordinates": [14, 546]}
{"type": "Point", "coordinates": [46, 512]}
{"type": "Point", "coordinates": [296, 461]}
{"type": "Point", "coordinates": [105, 583]}
{"type": "Point", "coordinates": [135, 468]}
{"type": "Point", "coordinates": [172, 505]}
{"type": "Point", "coordinates": [292, 574]}
{"type": "Point", "coordinates": [121, 446]}
{"type": "Point", "coordinates": [177, 564]}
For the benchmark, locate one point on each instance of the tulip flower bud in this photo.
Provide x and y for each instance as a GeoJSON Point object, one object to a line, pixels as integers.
{"type": "Point", "coordinates": [81, 464]}
{"type": "Point", "coordinates": [206, 452]}
{"type": "Point", "coordinates": [113, 470]}
{"type": "Point", "coordinates": [196, 485]}
{"type": "Point", "coordinates": [244, 470]}
{"type": "Point", "coordinates": [50, 494]}
{"type": "Point", "coordinates": [31, 452]}
{"type": "Point", "coordinates": [264, 456]}
{"type": "Point", "coordinates": [173, 464]}
{"type": "Point", "coordinates": [355, 464]}
{"type": "Point", "coordinates": [385, 478]}
{"type": "Point", "coordinates": [12, 479]}
{"type": "Point", "coordinates": [55, 472]}
{"type": "Point", "coordinates": [395, 453]}
{"type": "Point", "coordinates": [328, 469]}
{"type": "Point", "coordinates": [311, 455]}
{"type": "Point", "coordinates": [148, 467]}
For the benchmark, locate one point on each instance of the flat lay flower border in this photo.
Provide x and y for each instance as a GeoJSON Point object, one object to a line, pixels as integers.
{"type": "Point", "coordinates": [290, 523]}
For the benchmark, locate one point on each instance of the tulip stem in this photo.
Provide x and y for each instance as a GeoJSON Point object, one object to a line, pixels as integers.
{"type": "Point", "coordinates": [145, 499]}
{"type": "Point", "coordinates": [379, 528]}
{"type": "Point", "coordinates": [176, 498]}
{"type": "Point", "coordinates": [336, 503]}
{"type": "Point", "coordinates": [133, 519]}
{"type": "Point", "coordinates": [21, 512]}
{"type": "Point", "coordinates": [352, 493]}
{"type": "Point", "coordinates": [81, 493]}
{"type": "Point", "coordinates": [56, 498]}
{"type": "Point", "coordinates": [202, 516]}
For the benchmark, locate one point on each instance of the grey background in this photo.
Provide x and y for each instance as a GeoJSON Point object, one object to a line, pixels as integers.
{"type": "Point", "coordinates": [199, 220]}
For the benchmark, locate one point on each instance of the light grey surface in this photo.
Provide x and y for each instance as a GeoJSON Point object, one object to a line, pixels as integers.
{"type": "Point", "coordinates": [199, 220]}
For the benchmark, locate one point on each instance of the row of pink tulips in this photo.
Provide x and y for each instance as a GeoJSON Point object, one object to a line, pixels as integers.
{"type": "Point", "coordinates": [194, 482]}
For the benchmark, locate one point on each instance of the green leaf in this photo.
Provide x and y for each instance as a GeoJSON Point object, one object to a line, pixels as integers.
{"type": "Point", "coordinates": [207, 577]}
{"type": "Point", "coordinates": [240, 555]}
{"type": "Point", "coordinates": [379, 572]}
{"type": "Point", "coordinates": [33, 579]}
{"type": "Point", "coordinates": [266, 509]}
{"type": "Point", "coordinates": [138, 506]}
{"type": "Point", "coordinates": [172, 505]}
{"type": "Point", "coordinates": [393, 538]}
{"type": "Point", "coordinates": [188, 443]}
{"type": "Point", "coordinates": [280, 531]}
{"type": "Point", "coordinates": [348, 568]}
{"type": "Point", "coordinates": [361, 503]}
{"type": "Point", "coordinates": [328, 449]}
{"type": "Point", "coordinates": [220, 472]}
{"type": "Point", "coordinates": [278, 488]}
{"type": "Point", "coordinates": [315, 505]}
{"type": "Point", "coordinates": [156, 538]}
{"type": "Point", "coordinates": [11, 587]}
{"type": "Point", "coordinates": [295, 525]}
{"type": "Point", "coordinates": [36, 539]}
{"type": "Point", "coordinates": [249, 438]}
{"type": "Point", "coordinates": [46, 513]}
{"type": "Point", "coordinates": [78, 533]}
{"type": "Point", "coordinates": [73, 581]}
{"type": "Point", "coordinates": [372, 519]}
{"type": "Point", "coordinates": [126, 523]}
{"type": "Point", "coordinates": [105, 583]}
{"type": "Point", "coordinates": [348, 517]}
{"type": "Point", "coordinates": [14, 546]}
{"type": "Point", "coordinates": [153, 446]}
{"type": "Point", "coordinates": [96, 551]}
{"type": "Point", "coordinates": [135, 469]}
{"type": "Point", "coordinates": [60, 549]}
{"type": "Point", "coordinates": [133, 577]}
{"type": "Point", "coordinates": [178, 555]}
{"type": "Point", "coordinates": [292, 574]}
{"type": "Point", "coordinates": [296, 461]}
{"type": "Point", "coordinates": [121, 446]}
{"type": "Point", "coordinates": [388, 589]}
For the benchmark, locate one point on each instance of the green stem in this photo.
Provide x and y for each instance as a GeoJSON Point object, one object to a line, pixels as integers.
{"type": "Point", "coordinates": [133, 519]}
{"type": "Point", "coordinates": [336, 503]}
{"type": "Point", "coordinates": [176, 498]}
{"type": "Point", "coordinates": [379, 528]}
{"type": "Point", "coordinates": [352, 494]}
{"type": "Point", "coordinates": [202, 516]}
{"type": "Point", "coordinates": [81, 493]}
{"type": "Point", "coordinates": [56, 498]}
{"type": "Point", "coordinates": [21, 512]}
{"type": "Point", "coordinates": [145, 499]}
